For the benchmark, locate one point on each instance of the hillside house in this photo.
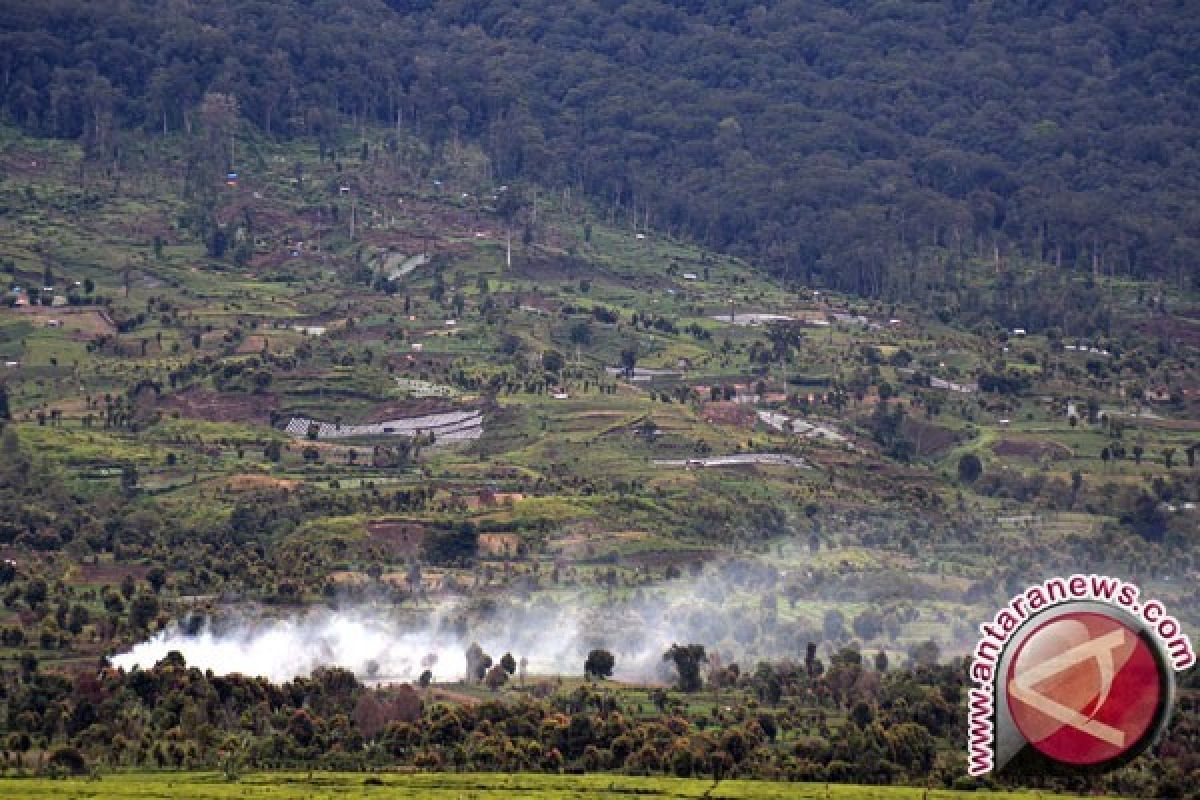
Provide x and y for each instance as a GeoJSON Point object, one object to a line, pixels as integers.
{"type": "Point", "coordinates": [1158, 394]}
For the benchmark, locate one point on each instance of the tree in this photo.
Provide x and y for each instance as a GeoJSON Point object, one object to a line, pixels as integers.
{"type": "Point", "coordinates": [553, 361]}
{"type": "Point", "coordinates": [67, 758]}
{"type": "Point", "coordinates": [912, 745]}
{"type": "Point", "coordinates": [868, 624]}
{"type": "Point", "coordinates": [861, 715]}
{"type": "Point", "coordinates": [129, 478]}
{"type": "Point", "coordinates": [452, 547]}
{"type": "Point", "coordinates": [833, 625]}
{"type": "Point", "coordinates": [157, 578]}
{"type": "Point", "coordinates": [509, 663]}
{"type": "Point", "coordinates": [1147, 518]}
{"type": "Point", "coordinates": [925, 654]}
{"type": "Point", "coordinates": [78, 617]}
{"type": "Point", "coordinates": [629, 359]}
{"type": "Point", "coordinates": [581, 333]}
{"type": "Point", "coordinates": [496, 677]}
{"type": "Point", "coordinates": [687, 660]}
{"type": "Point", "coordinates": [35, 592]}
{"type": "Point", "coordinates": [969, 468]}
{"type": "Point", "coordinates": [302, 728]}
{"type": "Point", "coordinates": [142, 610]}
{"type": "Point", "coordinates": [1169, 457]}
{"type": "Point", "coordinates": [5, 412]}
{"type": "Point", "coordinates": [599, 665]}
{"type": "Point", "coordinates": [475, 662]}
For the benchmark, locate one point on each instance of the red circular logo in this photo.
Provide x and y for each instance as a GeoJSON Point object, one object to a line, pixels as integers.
{"type": "Point", "coordinates": [1084, 688]}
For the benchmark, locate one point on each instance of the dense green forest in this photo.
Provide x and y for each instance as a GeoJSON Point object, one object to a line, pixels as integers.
{"type": "Point", "coordinates": [832, 141]}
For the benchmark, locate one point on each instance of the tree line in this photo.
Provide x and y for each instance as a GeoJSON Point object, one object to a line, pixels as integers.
{"type": "Point", "coordinates": [847, 721]}
{"type": "Point", "coordinates": [846, 144]}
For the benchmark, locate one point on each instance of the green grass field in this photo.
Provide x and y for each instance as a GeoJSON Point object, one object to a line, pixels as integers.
{"type": "Point", "coordinates": [459, 786]}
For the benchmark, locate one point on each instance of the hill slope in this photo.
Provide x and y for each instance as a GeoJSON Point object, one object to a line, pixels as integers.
{"type": "Point", "coordinates": [832, 141]}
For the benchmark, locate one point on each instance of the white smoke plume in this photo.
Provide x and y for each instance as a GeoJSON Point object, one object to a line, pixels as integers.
{"type": "Point", "coordinates": [380, 644]}
{"type": "Point", "coordinates": [737, 610]}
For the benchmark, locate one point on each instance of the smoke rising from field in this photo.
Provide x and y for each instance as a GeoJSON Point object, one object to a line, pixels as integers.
{"type": "Point", "coordinates": [377, 642]}
{"type": "Point", "coordinates": [379, 645]}
{"type": "Point", "coordinates": [739, 612]}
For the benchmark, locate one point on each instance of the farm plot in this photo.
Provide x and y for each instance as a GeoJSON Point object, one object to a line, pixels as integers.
{"type": "Point", "coordinates": [455, 426]}
{"type": "Point", "coordinates": [419, 388]}
{"type": "Point", "coordinates": [751, 318]}
{"type": "Point", "coordinates": [800, 427]}
{"type": "Point", "coordinates": [738, 460]}
{"type": "Point", "coordinates": [643, 374]}
{"type": "Point", "coordinates": [961, 388]}
{"type": "Point", "coordinates": [397, 265]}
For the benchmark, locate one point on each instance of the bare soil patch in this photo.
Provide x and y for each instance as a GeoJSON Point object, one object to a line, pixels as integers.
{"type": "Point", "coordinates": [348, 578]}
{"type": "Point", "coordinates": [665, 558]}
{"type": "Point", "coordinates": [396, 536]}
{"type": "Point", "coordinates": [737, 415]}
{"type": "Point", "coordinates": [87, 321]}
{"type": "Point", "coordinates": [222, 406]}
{"type": "Point", "coordinates": [930, 439]}
{"type": "Point", "coordinates": [499, 544]}
{"type": "Point", "coordinates": [1035, 451]}
{"type": "Point", "coordinates": [111, 573]}
{"type": "Point", "coordinates": [487, 499]}
{"type": "Point", "coordinates": [253, 344]}
{"type": "Point", "coordinates": [249, 482]}
{"type": "Point", "coordinates": [400, 409]}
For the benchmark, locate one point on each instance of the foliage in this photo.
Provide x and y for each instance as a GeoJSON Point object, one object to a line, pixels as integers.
{"type": "Point", "coordinates": [599, 664]}
{"type": "Point", "coordinates": [976, 149]}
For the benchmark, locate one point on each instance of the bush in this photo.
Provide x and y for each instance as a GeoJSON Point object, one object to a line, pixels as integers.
{"type": "Point", "coordinates": [969, 468]}
{"type": "Point", "coordinates": [67, 758]}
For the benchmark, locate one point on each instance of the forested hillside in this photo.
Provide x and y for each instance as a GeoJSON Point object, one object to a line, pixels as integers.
{"type": "Point", "coordinates": [830, 141]}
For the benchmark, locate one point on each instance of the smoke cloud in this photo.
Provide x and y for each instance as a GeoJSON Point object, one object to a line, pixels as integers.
{"type": "Point", "coordinates": [381, 645]}
{"type": "Point", "coordinates": [737, 610]}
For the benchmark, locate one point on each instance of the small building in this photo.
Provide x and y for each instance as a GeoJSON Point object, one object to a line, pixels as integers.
{"type": "Point", "coordinates": [53, 323]}
{"type": "Point", "coordinates": [1158, 394]}
{"type": "Point", "coordinates": [417, 347]}
{"type": "Point", "coordinates": [691, 276]}
{"type": "Point", "coordinates": [1018, 331]}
